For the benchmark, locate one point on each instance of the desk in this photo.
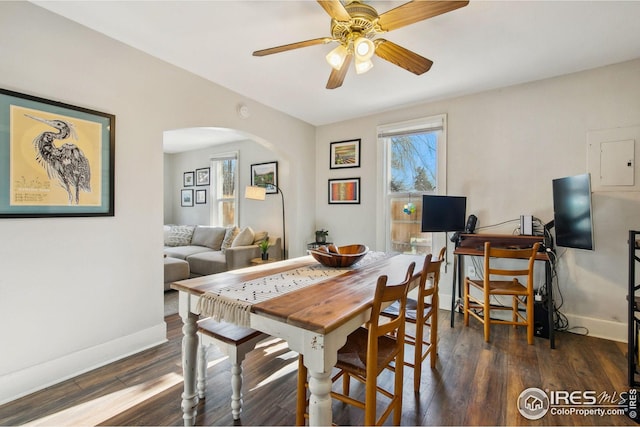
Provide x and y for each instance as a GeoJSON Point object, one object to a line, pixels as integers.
{"type": "Point", "coordinates": [473, 245]}
{"type": "Point", "coordinates": [315, 321]}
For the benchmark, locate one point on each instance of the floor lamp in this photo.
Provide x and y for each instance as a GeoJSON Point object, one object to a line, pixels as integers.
{"type": "Point", "coordinates": [259, 192]}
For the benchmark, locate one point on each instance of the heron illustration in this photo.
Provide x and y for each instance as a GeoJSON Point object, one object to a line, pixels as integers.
{"type": "Point", "coordinates": [66, 163]}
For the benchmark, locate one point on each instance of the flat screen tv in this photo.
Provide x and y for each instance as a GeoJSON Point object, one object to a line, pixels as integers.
{"type": "Point", "coordinates": [572, 212]}
{"type": "Point", "coordinates": [443, 213]}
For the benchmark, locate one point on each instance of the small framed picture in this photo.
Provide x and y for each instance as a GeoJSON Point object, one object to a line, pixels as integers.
{"type": "Point", "coordinates": [345, 154]}
{"type": "Point", "coordinates": [265, 175]}
{"type": "Point", "coordinates": [344, 191]}
{"type": "Point", "coordinates": [187, 179]}
{"type": "Point", "coordinates": [202, 176]}
{"type": "Point", "coordinates": [186, 198]}
{"type": "Point", "coordinates": [201, 197]}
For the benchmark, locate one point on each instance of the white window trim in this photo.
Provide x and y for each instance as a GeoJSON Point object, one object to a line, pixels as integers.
{"type": "Point", "coordinates": [425, 123]}
{"type": "Point", "coordinates": [213, 205]}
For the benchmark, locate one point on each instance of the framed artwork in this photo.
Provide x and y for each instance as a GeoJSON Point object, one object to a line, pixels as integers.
{"type": "Point", "coordinates": [344, 191]}
{"type": "Point", "coordinates": [345, 154]}
{"type": "Point", "coordinates": [187, 179]}
{"type": "Point", "coordinates": [265, 175]}
{"type": "Point", "coordinates": [55, 159]}
{"type": "Point", "coordinates": [186, 198]}
{"type": "Point", "coordinates": [202, 176]}
{"type": "Point", "coordinates": [201, 197]}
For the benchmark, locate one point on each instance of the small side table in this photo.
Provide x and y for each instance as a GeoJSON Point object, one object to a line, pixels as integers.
{"type": "Point", "coordinates": [316, 245]}
{"type": "Point", "coordinates": [260, 261]}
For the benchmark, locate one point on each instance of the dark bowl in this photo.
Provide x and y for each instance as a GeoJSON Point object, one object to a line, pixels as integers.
{"type": "Point", "coordinates": [347, 256]}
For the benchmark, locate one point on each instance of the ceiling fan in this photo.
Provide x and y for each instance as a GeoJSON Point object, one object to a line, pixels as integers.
{"type": "Point", "coordinates": [355, 26]}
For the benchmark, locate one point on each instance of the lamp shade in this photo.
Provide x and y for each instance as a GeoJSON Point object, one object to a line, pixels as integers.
{"type": "Point", "coordinates": [337, 56]}
{"type": "Point", "coordinates": [255, 193]}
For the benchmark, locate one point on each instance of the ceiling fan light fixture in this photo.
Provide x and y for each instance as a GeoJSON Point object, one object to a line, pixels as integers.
{"type": "Point", "coordinates": [363, 48]}
{"type": "Point", "coordinates": [363, 66]}
{"type": "Point", "coordinates": [336, 57]}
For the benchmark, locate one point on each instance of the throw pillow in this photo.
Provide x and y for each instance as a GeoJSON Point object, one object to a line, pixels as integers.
{"type": "Point", "coordinates": [259, 236]}
{"type": "Point", "coordinates": [244, 238]}
{"type": "Point", "coordinates": [211, 237]}
{"type": "Point", "coordinates": [180, 235]}
{"type": "Point", "coordinates": [229, 235]}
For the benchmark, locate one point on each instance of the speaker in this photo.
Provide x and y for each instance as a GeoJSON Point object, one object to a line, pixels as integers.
{"type": "Point", "coordinates": [540, 319]}
{"type": "Point", "coordinates": [471, 224]}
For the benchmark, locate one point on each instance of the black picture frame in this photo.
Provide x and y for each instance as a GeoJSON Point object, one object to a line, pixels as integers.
{"type": "Point", "coordinates": [265, 175]}
{"type": "Point", "coordinates": [32, 183]}
{"type": "Point", "coordinates": [344, 191]}
{"type": "Point", "coordinates": [188, 179]}
{"type": "Point", "coordinates": [202, 176]}
{"type": "Point", "coordinates": [201, 196]}
{"type": "Point", "coordinates": [186, 198]}
{"type": "Point", "coordinates": [344, 154]}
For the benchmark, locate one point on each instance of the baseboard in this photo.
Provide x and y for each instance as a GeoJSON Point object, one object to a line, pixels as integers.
{"type": "Point", "coordinates": [599, 328]}
{"type": "Point", "coordinates": [21, 383]}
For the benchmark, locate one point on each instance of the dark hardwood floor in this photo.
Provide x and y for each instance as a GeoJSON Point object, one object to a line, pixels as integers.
{"type": "Point", "coordinates": [474, 384]}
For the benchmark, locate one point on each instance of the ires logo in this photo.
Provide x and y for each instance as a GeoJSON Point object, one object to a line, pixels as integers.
{"type": "Point", "coordinates": [573, 398]}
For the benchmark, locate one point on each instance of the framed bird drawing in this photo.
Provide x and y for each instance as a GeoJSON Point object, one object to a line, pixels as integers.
{"type": "Point", "coordinates": [56, 159]}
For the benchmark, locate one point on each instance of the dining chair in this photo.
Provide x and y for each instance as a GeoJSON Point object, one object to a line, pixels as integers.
{"type": "Point", "coordinates": [368, 351]}
{"type": "Point", "coordinates": [423, 313]}
{"type": "Point", "coordinates": [502, 281]}
{"type": "Point", "coordinates": [234, 341]}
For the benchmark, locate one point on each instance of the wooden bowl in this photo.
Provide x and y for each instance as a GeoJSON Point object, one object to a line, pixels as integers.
{"type": "Point", "coordinates": [347, 256]}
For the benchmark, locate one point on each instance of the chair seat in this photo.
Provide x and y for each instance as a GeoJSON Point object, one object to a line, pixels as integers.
{"type": "Point", "coordinates": [498, 287]}
{"type": "Point", "coordinates": [227, 332]}
{"type": "Point", "coordinates": [410, 314]}
{"type": "Point", "coordinates": [353, 356]}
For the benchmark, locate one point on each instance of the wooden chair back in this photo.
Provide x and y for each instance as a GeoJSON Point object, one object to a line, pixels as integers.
{"type": "Point", "coordinates": [493, 253]}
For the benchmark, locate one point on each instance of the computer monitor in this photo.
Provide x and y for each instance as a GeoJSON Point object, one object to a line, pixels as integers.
{"type": "Point", "coordinates": [572, 214]}
{"type": "Point", "coordinates": [443, 213]}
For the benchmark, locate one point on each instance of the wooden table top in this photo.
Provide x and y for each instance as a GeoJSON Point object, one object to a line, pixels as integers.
{"type": "Point", "coordinates": [321, 307]}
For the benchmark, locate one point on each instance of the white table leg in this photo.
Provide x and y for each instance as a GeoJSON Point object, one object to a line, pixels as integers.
{"type": "Point", "coordinates": [319, 398]}
{"type": "Point", "coordinates": [190, 344]}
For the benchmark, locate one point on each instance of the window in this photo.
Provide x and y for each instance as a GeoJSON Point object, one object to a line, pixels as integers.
{"type": "Point", "coordinates": [415, 158]}
{"type": "Point", "coordinates": [224, 189]}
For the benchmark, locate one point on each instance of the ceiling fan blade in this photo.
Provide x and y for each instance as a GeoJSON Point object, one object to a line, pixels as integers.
{"type": "Point", "coordinates": [337, 76]}
{"type": "Point", "coordinates": [402, 57]}
{"type": "Point", "coordinates": [416, 11]}
{"type": "Point", "coordinates": [292, 46]}
{"type": "Point", "coordinates": [335, 9]}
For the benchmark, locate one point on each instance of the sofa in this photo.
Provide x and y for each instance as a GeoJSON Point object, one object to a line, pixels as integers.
{"type": "Point", "coordinates": [192, 251]}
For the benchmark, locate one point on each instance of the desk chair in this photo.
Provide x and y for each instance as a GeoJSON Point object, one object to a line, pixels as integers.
{"type": "Point", "coordinates": [522, 294]}
{"type": "Point", "coordinates": [234, 341]}
{"type": "Point", "coordinates": [368, 351]}
{"type": "Point", "coordinates": [422, 312]}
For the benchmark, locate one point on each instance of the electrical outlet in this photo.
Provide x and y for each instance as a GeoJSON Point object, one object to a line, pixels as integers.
{"type": "Point", "coordinates": [471, 271]}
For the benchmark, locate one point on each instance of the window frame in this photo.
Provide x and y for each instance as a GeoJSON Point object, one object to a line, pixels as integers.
{"type": "Point", "coordinates": [384, 132]}
{"type": "Point", "coordinates": [214, 200]}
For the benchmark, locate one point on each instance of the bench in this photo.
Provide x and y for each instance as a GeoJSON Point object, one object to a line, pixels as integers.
{"type": "Point", "coordinates": [234, 341]}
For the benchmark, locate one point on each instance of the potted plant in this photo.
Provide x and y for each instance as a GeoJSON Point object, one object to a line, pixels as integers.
{"type": "Point", "coordinates": [321, 236]}
{"type": "Point", "coordinates": [264, 246]}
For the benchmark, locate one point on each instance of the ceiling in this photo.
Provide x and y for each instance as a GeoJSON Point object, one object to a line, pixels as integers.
{"type": "Point", "coordinates": [485, 45]}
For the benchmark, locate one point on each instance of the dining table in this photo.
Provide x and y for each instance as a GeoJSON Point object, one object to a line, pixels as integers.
{"type": "Point", "coordinates": [310, 306]}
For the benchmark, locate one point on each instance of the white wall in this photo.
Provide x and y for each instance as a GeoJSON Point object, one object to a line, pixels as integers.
{"type": "Point", "coordinates": [504, 148]}
{"type": "Point", "coordinates": [76, 293]}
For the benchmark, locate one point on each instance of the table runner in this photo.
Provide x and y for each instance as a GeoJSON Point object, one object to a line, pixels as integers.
{"type": "Point", "coordinates": [233, 303]}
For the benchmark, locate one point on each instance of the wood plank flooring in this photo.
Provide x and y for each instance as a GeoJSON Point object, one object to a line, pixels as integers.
{"type": "Point", "coordinates": [474, 384]}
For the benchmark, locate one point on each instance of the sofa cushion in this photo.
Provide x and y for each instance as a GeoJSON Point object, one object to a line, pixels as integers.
{"type": "Point", "coordinates": [211, 237]}
{"type": "Point", "coordinates": [174, 270]}
{"type": "Point", "coordinates": [244, 238]}
{"type": "Point", "coordinates": [182, 252]}
{"type": "Point", "coordinates": [229, 235]}
{"type": "Point", "coordinates": [259, 236]}
{"type": "Point", "coordinates": [179, 235]}
{"type": "Point", "coordinates": [207, 263]}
